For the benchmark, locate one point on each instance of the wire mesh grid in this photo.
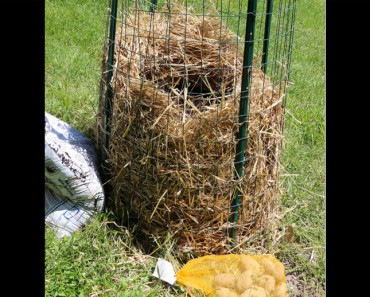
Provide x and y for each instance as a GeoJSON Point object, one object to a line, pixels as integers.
{"type": "Point", "coordinates": [191, 118]}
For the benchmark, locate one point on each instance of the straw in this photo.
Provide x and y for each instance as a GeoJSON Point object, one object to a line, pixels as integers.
{"type": "Point", "coordinates": [175, 117]}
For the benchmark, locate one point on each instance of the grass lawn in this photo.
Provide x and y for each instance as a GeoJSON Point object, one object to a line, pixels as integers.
{"type": "Point", "coordinates": [105, 261]}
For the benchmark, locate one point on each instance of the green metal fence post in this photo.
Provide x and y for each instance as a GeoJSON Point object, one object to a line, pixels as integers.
{"type": "Point", "coordinates": [109, 91]}
{"type": "Point", "coordinates": [153, 5]}
{"type": "Point", "coordinates": [243, 109]}
{"type": "Point", "coordinates": [266, 36]}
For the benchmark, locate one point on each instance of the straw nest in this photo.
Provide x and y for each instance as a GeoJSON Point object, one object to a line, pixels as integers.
{"type": "Point", "coordinates": [177, 81]}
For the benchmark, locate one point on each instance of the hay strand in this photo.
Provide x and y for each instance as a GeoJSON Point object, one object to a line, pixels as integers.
{"type": "Point", "coordinates": [175, 117]}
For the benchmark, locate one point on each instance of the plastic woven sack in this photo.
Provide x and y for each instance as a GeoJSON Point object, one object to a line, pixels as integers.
{"type": "Point", "coordinates": [65, 216]}
{"type": "Point", "coordinates": [71, 169]}
{"type": "Point", "coordinates": [235, 276]}
{"type": "Point", "coordinates": [73, 190]}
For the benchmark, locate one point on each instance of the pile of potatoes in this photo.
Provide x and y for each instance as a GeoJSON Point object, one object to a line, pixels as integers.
{"type": "Point", "coordinates": [262, 276]}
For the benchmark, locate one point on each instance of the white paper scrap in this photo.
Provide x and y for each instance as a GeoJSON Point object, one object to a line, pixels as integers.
{"type": "Point", "coordinates": [164, 271]}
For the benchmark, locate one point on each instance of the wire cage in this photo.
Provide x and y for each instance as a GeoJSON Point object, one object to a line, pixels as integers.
{"type": "Point", "coordinates": [190, 124]}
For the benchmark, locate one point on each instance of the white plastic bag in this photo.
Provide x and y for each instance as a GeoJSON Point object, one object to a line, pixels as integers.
{"type": "Point", "coordinates": [63, 215]}
{"type": "Point", "coordinates": [71, 176]}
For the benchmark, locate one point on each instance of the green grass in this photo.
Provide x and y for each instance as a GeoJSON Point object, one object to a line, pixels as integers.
{"type": "Point", "coordinates": [100, 261]}
{"type": "Point", "coordinates": [304, 152]}
{"type": "Point", "coordinates": [74, 35]}
{"type": "Point", "coordinates": [105, 261]}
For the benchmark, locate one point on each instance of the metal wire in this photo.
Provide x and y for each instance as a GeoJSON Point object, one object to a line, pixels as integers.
{"type": "Point", "coordinates": [265, 28]}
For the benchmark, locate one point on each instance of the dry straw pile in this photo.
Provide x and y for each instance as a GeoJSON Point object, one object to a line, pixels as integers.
{"type": "Point", "coordinates": [177, 82]}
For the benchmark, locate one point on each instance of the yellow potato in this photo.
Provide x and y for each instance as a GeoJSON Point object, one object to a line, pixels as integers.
{"type": "Point", "coordinates": [267, 281]}
{"type": "Point", "coordinates": [248, 263]}
{"type": "Point", "coordinates": [224, 280]}
{"type": "Point", "coordinates": [279, 272]}
{"type": "Point", "coordinates": [281, 290]}
{"type": "Point", "coordinates": [244, 281]}
{"type": "Point", "coordinates": [254, 292]}
{"type": "Point", "coordinates": [268, 266]}
{"type": "Point", "coordinates": [275, 269]}
{"type": "Point", "coordinates": [225, 292]}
